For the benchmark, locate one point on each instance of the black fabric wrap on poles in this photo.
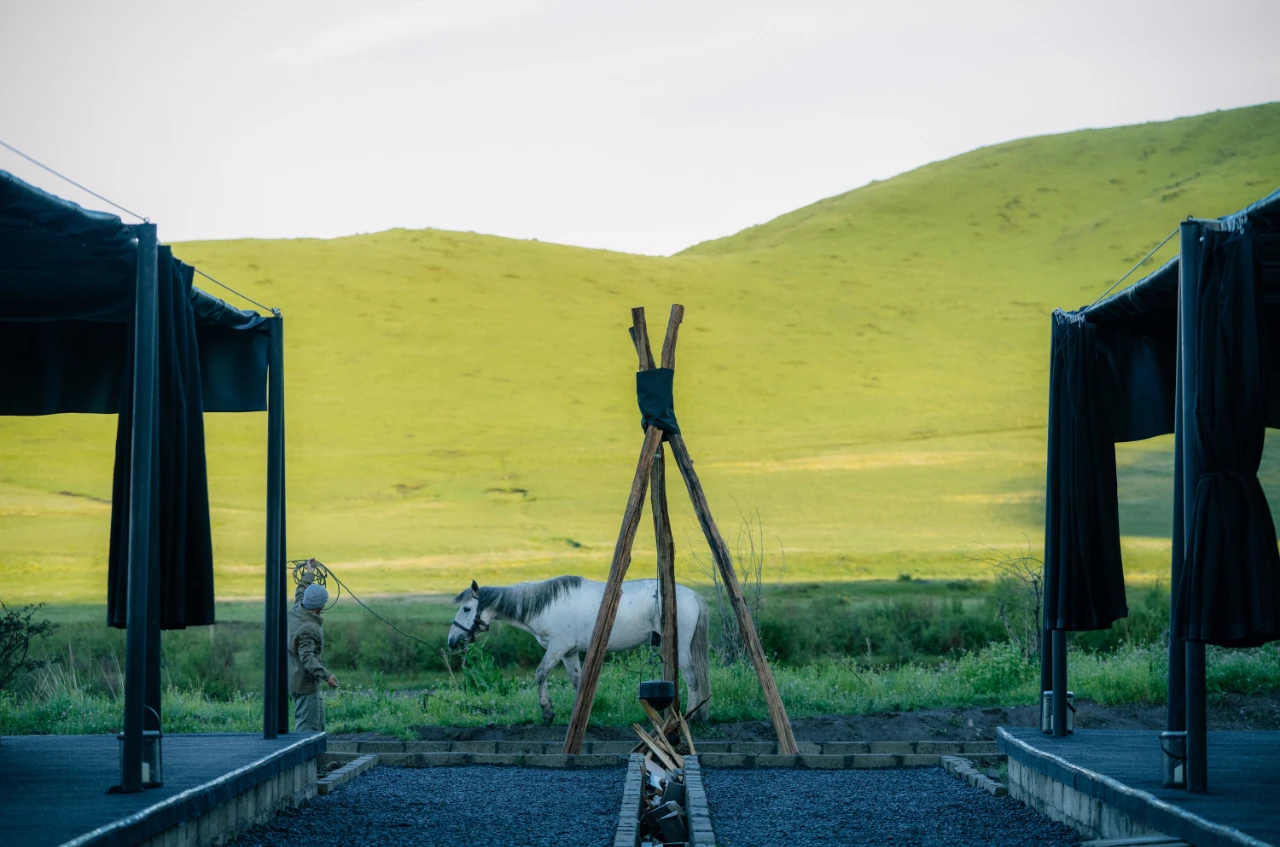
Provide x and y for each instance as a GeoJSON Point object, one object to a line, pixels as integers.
{"type": "Point", "coordinates": [1229, 593]}
{"type": "Point", "coordinates": [67, 303]}
{"type": "Point", "coordinates": [1114, 377]}
{"type": "Point", "coordinates": [182, 532]}
{"type": "Point", "coordinates": [1113, 369]}
{"type": "Point", "coordinates": [1084, 577]}
{"type": "Point", "coordinates": [654, 393]}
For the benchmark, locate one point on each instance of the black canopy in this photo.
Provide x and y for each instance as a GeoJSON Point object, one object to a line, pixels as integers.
{"type": "Point", "coordinates": [67, 291]}
{"type": "Point", "coordinates": [1114, 377]}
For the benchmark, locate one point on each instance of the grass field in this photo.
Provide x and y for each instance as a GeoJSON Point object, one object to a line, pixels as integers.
{"type": "Point", "coordinates": [995, 676]}
{"type": "Point", "coordinates": [868, 374]}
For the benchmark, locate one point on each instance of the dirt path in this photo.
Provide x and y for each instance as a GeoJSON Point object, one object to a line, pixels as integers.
{"type": "Point", "coordinates": [1231, 711]}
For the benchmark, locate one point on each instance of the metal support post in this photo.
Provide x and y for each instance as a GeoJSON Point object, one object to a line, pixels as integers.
{"type": "Point", "coordinates": [1176, 704]}
{"type": "Point", "coordinates": [145, 354]}
{"type": "Point", "coordinates": [284, 701]}
{"type": "Point", "coordinates": [151, 701]}
{"type": "Point", "coordinates": [1193, 693]}
{"type": "Point", "coordinates": [1059, 683]}
{"type": "Point", "coordinates": [274, 647]}
{"type": "Point", "coordinates": [1046, 660]}
{"type": "Point", "coordinates": [1197, 734]}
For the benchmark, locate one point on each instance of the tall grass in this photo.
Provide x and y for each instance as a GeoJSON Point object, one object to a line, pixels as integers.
{"type": "Point", "coordinates": [997, 675]}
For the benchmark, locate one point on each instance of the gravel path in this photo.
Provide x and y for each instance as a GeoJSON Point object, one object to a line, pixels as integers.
{"type": "Point", "coordinates": [520, 807]}
{"type": "Point", "coordinates": [920, 806]}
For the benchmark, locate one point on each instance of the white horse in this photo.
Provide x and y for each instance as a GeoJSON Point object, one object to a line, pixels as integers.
{"type": "Point", "coordinates": [561, 614]}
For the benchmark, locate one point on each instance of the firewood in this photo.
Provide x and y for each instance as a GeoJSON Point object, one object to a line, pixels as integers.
{"type": "Point", "coordinates": [688, 738]}
{"type": "Point", "coordinates": [656, 750]}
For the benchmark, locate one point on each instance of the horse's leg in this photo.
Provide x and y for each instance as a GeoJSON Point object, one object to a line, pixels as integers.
{"type": "Point", "coordinates": [554, 654]}
{"type": "Point", "coordinates": [573, 664]}
{"type": "Point", "coordinates": [694, 655]}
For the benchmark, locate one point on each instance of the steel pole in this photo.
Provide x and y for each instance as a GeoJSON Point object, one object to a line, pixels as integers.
{"type": "Point", "coordinates": [286, 701]}
{"type": "Point", "coordinates": [1050, 532]}
{"type": "Point", "coordinates": [277, 371]}
{"type": "Point", "coordinates": [1188, 348]}
{"type": "Point", "coordinates": [274, 564]}
{"type": "Point", "coordinates": [1175, 708]}
{"type": "Point", "coordinates": [145, 354]}
{"type": "Point", "coordinates": [151, 713]}
{"type": "Point", "coordinates": [1197, 729]}
{"type": "Point", "coordinates": [1060, 683]}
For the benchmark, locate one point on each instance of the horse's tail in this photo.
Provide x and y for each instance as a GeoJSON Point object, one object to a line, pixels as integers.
{"type": "Point", "coordinates": [700, 659]}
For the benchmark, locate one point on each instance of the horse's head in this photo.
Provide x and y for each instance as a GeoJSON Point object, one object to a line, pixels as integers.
{"type": "Point", "coordinates": [470, 619]}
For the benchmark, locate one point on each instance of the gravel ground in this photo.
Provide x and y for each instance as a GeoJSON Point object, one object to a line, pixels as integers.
{"type": "Point", "coordinates": [920, 806]}
{"type": "Point", "coordinates": [520, 807]}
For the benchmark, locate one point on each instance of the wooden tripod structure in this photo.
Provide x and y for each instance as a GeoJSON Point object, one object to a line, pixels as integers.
{"type": "Point", "coordinates": [651, 472]}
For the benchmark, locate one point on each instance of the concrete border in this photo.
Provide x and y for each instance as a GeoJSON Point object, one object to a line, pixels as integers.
{"type": "Point", "coordinates": [963, 769]}
{"type": "Point", "coordinates": [216, 810]}
{"type": "Point", "coordinates": [1099, 806]}
{"type": "Point", "coordinates": [337, 778]}
{"type": "Point", "coordinates": [700, 832]}
{"type": "Point", "coordinates": [831, 755]}
{"type": "Point", "coordinates": [628, 832]}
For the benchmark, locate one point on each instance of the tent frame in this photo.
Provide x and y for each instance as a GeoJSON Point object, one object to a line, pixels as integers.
{"type": "Point", "coordinates": [1187, 709]}
{"type": "Point", "coordinates": [142, 633]}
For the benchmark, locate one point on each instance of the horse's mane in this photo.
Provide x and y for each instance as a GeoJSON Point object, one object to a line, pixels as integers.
{"type": "Point", "coordinates": [525, 600]}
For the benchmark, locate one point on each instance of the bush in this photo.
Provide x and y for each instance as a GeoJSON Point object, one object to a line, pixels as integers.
{"type": "Point", "coordinates": [883, 633]}
{"type": "Point", "coordinates": [18, 628]}
{"type": "Point", "coordinates": [1146, 623]}
{"type": "Point", "coordinates": [995, 671]}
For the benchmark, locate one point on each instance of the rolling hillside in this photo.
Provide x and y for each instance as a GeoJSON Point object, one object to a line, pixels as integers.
{"type": "Point", "coordinates": [867, 373]}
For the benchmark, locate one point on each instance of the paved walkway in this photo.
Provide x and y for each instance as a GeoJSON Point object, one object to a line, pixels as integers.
{"type": "Point", "coordinates": [922, 807]}
{"type": "Point", "coordinates": [477, 805]}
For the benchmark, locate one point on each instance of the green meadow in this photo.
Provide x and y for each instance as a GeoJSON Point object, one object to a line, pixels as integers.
{"type": "Point", "coordinates": [867, 374]}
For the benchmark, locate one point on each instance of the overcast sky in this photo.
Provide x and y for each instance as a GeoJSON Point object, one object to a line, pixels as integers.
{"type": "Point", "coordinates": [643, 126]}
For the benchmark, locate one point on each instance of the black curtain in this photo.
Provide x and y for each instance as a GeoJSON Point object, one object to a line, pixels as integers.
{"type": "Point", "coordinates": [1229, 593]}
{"type": "Point", "coordinates": [181, 534]}
{"type": "Point", "coordinates": [1084, 577]}
{"type": "Point", "coordinates": [1112, 378]}
{"type": "Point", "coordinates": [67, 283]}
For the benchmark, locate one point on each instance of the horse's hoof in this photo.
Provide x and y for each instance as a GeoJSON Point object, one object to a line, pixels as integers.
{"type": "Point", "coordinates": [547, 718]}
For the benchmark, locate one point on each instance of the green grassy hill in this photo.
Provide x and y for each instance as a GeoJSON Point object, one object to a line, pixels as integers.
{"type": "Point", "coordinates": [867, 373]}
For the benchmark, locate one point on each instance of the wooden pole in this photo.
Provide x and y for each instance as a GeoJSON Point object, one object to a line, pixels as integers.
{"type": "Point", "coordinates": [720, 552]}
{"type": "Point", "coordinates": [666, 573]}
{"type": "Point", "coordinates": [661, 516]}
{"type": "Point", "coordinates": [617, 570]}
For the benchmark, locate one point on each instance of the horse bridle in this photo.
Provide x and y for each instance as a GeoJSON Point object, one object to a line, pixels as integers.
{"type": "Point", "coordinates": [477, 625]}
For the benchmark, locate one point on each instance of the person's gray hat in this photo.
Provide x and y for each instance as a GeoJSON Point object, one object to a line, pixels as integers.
{"type": "Point", "coordinates": [314, 597]}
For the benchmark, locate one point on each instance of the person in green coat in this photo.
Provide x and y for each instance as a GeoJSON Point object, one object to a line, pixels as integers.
{"type": "Point", "coordinates": [306, 643]}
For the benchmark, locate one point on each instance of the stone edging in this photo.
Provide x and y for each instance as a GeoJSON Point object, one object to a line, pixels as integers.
{"type": "Point", "coordinates": [962, 768]}
{"type": "Point", "coordinates": [284, 776]}
{"type": "Point", "coordinates": [725, 754]}
{"type": "Point", "coordinates": [1142, 807]}
{"type": "Point", "coordinates": [346, 773]}
{"type": "Point", "coordinates": [700, 832]}
{"type": "Point", "coordinates": [628, 832]}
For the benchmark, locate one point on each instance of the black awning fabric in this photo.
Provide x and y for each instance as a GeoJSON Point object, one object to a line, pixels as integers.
{"type": "Point", "coordinates": [1229, 592]}
{"type": "Point", "coordinates": [1113, 378]}
{"type": "Point", "coordinates": [67, 281]}
{"type": "Point", "coordinates": [182, 540]}
{"type": "Point", "coordinates": [1112, 371]}
{"type": "Point", "coordinates": [1084, 578]}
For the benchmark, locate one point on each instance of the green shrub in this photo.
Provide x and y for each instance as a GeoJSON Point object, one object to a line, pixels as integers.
{"type": "Point", "coordinates": [996, 670]}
